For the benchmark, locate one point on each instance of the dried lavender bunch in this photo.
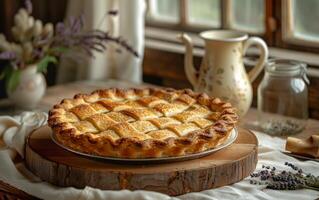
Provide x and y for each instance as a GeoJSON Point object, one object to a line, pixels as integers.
{"type": "Point", "coordinates": [285, 180]}
{"type": "Point", "coordinates": [71, 34]}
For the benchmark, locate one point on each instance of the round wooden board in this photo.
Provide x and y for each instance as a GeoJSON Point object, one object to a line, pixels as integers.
{"type": "Point", "coordinates": [63, 168]}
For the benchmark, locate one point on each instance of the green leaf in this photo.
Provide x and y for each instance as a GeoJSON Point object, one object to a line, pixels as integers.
{"type": "Point", "coordinates": [5, 73]}
{"type": "Point", "coordinates": [12, 80]}
{"type": "Point", "coordinates": [59, 49]}
{"type": "Point", "coordinates": [44, 62]}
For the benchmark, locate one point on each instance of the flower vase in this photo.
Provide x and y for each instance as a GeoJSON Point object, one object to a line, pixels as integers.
{"type": "Point", "coordinates": [30, 89]}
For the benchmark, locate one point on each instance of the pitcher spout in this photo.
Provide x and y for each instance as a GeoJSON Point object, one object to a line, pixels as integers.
{"type": "Point", "coordinates": [190, 71]}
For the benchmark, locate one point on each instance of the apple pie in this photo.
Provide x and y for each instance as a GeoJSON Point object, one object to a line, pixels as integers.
{"type": "Point", "coordinates": [142, 123]}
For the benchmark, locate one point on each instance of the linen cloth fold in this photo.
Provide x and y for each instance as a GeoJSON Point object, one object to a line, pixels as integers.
{"type": "Point", "coordinates": [14, 130]}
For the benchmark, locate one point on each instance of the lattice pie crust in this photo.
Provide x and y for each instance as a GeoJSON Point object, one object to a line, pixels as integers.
{"type": "Point", "coordinates": [142, 123]}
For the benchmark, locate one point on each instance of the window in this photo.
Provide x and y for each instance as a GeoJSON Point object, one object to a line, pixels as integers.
{"type": "Point", "coordinates": [247, 15]}
{"type": "Point", "coordinates": [164, 10]}
{"type": "Point", "coordinates": [289, 24]}
{"type": "Point", "coordinates": [301, 22]}
{"type": "Point", "coordinates": [244, 15]}
{"type": "Point", "coordinates": [204, 12]}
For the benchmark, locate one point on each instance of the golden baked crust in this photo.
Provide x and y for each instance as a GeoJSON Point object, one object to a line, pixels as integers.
{"type": "Point", "coordinates": [142, 123]}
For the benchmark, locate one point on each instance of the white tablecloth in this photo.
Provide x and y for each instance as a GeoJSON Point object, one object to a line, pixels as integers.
{"type": "Point", "coordinates": [14, 130]}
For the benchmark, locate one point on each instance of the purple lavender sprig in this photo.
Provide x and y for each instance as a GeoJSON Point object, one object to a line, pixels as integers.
{"type": "Point", "coordinates": [28, 6]}
{"type": "Point", "coordinates": [285, 180]}
{"type": "Point", "coordinates": [8, 55]}
{"type": "Point", "coordinates": [71, 34]}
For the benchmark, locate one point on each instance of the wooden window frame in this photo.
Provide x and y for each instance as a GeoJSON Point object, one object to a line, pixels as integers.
{"type": "Point", "coordinates": [185, 25]}
{"type": "Point", "coordinates": [288, 37]}
{"type": "Point", "coordinates": [278, 25]}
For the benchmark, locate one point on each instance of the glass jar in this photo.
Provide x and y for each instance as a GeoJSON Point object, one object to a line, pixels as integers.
{"type": "Point", "coordinates": [283, 97]}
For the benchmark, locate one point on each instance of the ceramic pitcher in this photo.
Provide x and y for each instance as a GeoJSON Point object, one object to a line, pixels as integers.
{"type": "Point", "coordinates": [222, 73]}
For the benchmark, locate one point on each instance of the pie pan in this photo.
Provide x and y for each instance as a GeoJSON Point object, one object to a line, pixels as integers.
{"type": "Point", "coordinates": [232, 137]}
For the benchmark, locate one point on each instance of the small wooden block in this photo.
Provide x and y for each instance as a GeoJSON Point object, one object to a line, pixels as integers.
{"type": "Point", "coordinates": [63, 168]}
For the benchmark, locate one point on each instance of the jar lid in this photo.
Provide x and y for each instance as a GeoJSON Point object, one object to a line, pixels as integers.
{"type": "Point", "coordinates": [284, 67]}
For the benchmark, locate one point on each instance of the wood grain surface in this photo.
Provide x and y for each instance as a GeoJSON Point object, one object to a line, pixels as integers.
{"type": "Point", "coordinates": [60, 167]}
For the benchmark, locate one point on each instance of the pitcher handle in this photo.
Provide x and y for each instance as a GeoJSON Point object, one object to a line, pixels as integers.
{"type": "Point", "coordinates": [252, 75]}
{"type": "Point", "coordinates": [190, 70]}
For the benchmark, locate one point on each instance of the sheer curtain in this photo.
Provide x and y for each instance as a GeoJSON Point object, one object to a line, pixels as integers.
{"type": "Point", "coordinates": [129, 23]}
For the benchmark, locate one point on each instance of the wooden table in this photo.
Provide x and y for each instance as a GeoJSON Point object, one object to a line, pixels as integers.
{"type": "Point", "coordinates": [57, 93]}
